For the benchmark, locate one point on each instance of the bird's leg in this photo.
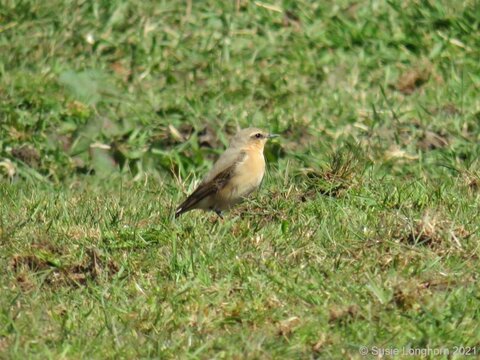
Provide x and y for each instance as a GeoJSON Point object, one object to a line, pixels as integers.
{"type": "Point", "coordinates": [219, 213]}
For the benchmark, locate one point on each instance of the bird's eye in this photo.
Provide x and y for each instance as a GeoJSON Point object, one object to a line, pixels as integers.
{"type": "Point", "coordinates": [258, 136]}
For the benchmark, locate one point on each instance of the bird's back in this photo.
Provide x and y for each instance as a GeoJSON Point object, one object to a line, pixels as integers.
{"type": "Point", "coordinates": [229, 158]}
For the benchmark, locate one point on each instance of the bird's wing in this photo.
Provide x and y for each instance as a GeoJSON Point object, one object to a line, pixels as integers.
{"type": "Point", "coordinates": [211, 184]}
{"type": "Point", "coordinates": [231, 157]}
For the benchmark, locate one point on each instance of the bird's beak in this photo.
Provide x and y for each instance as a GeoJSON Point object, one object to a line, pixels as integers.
{"type": "Point", "coordinates": [271, 136]}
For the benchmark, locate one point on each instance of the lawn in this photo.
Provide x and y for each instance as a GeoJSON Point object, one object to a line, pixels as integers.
{"type": "Point", "coordinates": [365, 232]}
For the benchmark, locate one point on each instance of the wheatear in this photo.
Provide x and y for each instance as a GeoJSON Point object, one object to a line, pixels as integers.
{"type": "Point", "coordinates": [237, 173]}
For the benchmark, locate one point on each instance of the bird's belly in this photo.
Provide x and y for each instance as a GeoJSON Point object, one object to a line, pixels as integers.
{"type": "Point", "coordinates": [245, 181]}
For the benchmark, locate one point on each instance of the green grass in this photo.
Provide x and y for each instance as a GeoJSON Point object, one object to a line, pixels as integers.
{"type": "Point", "coordinates": [365, 231]}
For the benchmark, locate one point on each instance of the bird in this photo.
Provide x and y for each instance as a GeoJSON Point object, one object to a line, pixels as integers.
{"type": "Point", "coordinates": [235, 175]}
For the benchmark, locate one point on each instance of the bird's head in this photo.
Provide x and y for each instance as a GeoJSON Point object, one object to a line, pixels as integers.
{"type": "Point", "coordinates": [251, 137]}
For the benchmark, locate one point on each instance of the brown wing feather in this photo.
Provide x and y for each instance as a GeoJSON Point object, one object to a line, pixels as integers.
{"type": "Point", "coordinates": [208, 188]}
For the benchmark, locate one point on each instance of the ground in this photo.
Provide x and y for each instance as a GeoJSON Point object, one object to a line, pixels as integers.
{"type": "Point", "coordinates": [365, 230]}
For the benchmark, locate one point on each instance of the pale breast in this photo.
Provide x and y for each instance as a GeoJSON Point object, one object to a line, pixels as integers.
{"type": "Point", "coordinates": [247, 178]}
{"type": "Point", "coordinates": [250, 173]}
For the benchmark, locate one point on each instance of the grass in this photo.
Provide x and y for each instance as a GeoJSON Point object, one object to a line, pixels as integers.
{"type": "Point", "coordinates": [365, 230]}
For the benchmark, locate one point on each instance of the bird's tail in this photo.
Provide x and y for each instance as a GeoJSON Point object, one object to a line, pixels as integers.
{"type": "Point", "coordinates": [180, 210]}
{"type": "Point", "coordinates": [187, 205]}
{"type": "Point", "coordinates": [192, 201]}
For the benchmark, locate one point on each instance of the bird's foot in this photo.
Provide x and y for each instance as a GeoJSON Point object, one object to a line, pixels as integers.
{"type": "Point", "coordinates": [219, 213]}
